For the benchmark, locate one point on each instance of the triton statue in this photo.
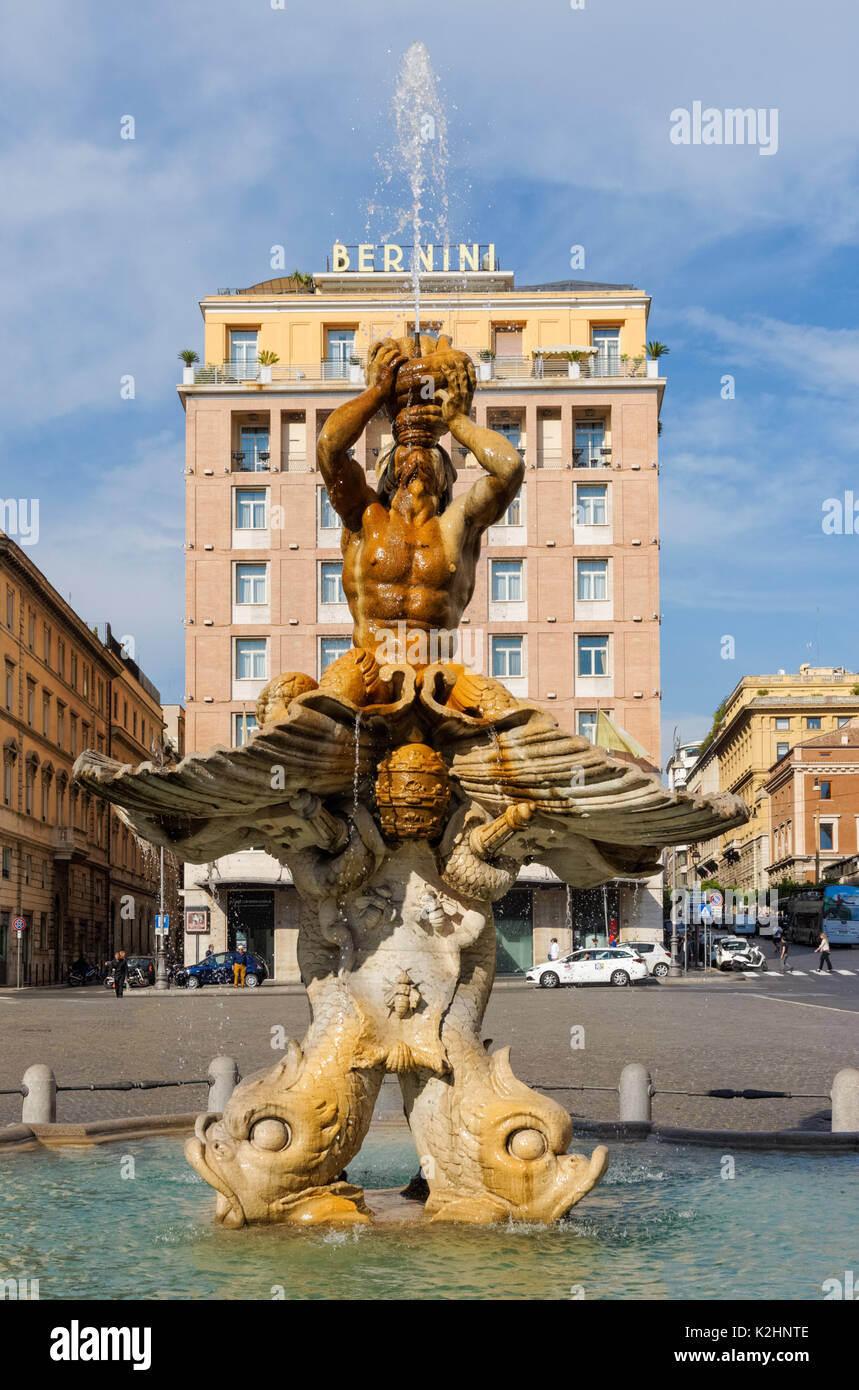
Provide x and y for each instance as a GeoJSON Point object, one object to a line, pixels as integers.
{"type": "Point", "coordinates": [403, 796]}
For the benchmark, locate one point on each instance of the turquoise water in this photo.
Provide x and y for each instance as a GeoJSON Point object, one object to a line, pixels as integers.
{"type": "Point", "coordinates": [664, 1224]}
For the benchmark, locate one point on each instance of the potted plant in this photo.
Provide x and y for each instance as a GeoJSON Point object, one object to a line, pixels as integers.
{"type": "Point", "coordinates": [484, 370]}
{"type": "Point", "coordinates": [189, 357]}
{"type": "Point", "coordinates": [356, 373]}
{"type": "Point", "coordinates": [573, 360]}
{"type": "Point", "coordinates": [266, 360]}
{"type": "Point", "coordinates": [655, 350]}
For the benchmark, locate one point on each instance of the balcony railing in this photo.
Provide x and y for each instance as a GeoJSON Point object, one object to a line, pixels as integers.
{"type": "Point", "coordinates": [502, 369]}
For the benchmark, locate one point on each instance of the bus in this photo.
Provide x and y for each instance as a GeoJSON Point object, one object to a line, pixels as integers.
{"type": "Point", "coordinates": [833, 909]}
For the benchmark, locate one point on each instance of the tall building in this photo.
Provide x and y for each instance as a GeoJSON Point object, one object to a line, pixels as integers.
{"type": "Point", "coordinates": [814, 806]}
{"type": "Point", "coordinates": [566, 605]}
{"type": "Point", "coordinates": [69, 868]}
{"type": "Point", "coordinates": [754, 731]}
{"type": "Point", "coordinates": [679, 869]}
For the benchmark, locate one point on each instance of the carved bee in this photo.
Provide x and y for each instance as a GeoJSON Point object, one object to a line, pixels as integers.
{"type": "Point", "coordinates": [404, 996]}
{"type": "Point", "coordinates": [434, 909]}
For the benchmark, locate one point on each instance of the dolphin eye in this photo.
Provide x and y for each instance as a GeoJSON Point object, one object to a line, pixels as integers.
{"type": "Point", "coordinates": [527, 1144]}
{"type": "Point", "coordinates": [270, 1134]}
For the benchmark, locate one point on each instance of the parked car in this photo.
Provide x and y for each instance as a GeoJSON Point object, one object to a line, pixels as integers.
{"type": "Point", "coordinates": [726, 948]}
{"type": "Point", "coordinates": [218, 970]}
{"type": "Point", "coordinates": [654, 954]}
{"type": "Point", "coordinates": [601, 966]}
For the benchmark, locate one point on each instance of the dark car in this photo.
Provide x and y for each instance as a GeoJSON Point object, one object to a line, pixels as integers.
{"type": "Point", "coordinates": [218, 970]}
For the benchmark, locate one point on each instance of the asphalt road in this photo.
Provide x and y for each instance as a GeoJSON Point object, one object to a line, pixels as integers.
{"type": "Point", "coordinates": [774, 1032]}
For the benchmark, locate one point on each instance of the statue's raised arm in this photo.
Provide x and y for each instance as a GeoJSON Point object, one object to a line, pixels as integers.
{"type": "Point", "coordinates": [489, 498]}
{"type": "Point", "coordinates": [345, 481]}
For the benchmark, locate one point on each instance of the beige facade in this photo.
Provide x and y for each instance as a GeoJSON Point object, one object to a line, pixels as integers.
{"type": "Point", "coordinates": [566, 604]}
{"type": "Point", "coordinates": [762, 720]}
{"type": "Point", "coordinates": [70, 869]}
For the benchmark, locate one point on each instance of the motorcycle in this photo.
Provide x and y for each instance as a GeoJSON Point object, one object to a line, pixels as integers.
{"type": "Point", "coordinates": [77, 977]}
{"type": "Point", "coordinates": [750, 958]}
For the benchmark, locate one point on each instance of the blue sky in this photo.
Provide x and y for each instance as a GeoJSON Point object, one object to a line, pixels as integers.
{"type": "Point", "coordinates": [257, 126]}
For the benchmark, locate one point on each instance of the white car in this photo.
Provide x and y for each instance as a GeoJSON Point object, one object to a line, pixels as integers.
{"type": "Point", "coordinates": [656, 958]}
{"type": "Point", "coordinates": [604, 965]}
{"type": "Point", "coordinates": [727, 948]}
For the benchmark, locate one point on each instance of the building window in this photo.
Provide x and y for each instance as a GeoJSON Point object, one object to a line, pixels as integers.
{"type": "Point", "coordinates": [31, 702]}
{"type": "Point", "coordinates": [46, 713]}
{"type": "Point", "coordinates": [844, 719]}
{"type": "Point", "coordinates": [245, 727]}
{"type": "Point", "coordinates": [29, 786]}
{"type": "Point", "coordinates": [331, 649]}
{"type": "Point", "coordinates": [8, 771]}
{"type": "Point", "coordinates": [243, 352]}
{"type": "Point", "coordinates": [506, 657]}
{"type": "Point", "coordinates": [592, 505]}
{"type": "Point", "coordinates": [328, 518]}
{"type": "Point", "coordinates": [31, 630]}
{"type": "Point", "coordinates": [74, 671]}
{"type": "Point", "coordinates": [340, 346]}
{"type": "Point", "coordinates": [592, 654]}
{"type": "Point", "coordinates": [46, 645]}
{"type": "Point", "coordinates": [61, 724]}
{"type": "Point", "coordinates": [10, 608]}
{"type": "Point", "coordinates": [7, 862]}
{"type": "Point", "coordinates": [607, 343]}
{"type": "Point", "coordinates": [85, 681]}
{"type": "Point", "coordinates": [586, 724]}
{"type": "Point", "coordinates": [250, 659]}
{"type": "Point", "coordinates": [134, 722]}
{"type": "Point", "coordinates": [506, 581]}
{"type": "Point", "coordinates": [61, 657]}
{"type": "Point", "coordinates": [592, 580]}
{"type": "Point", "coordinates": [781, 750]}
{"type": "Point", "coordinates": [331, 582]}
{"type": "Point", "coordinates": [250, 584]}
{"type": "Point", "coordinates": [511, 430]}
{"type": "Point", "coordinates": [827, 834]}
{"type": "Point", "coordinates": [10, 685]}
{"type": "Point", "coordinates": [589, 450]}
{"type": "Point", "coordinates": [254, 448]}
{"type": "Point", "coordinates": [513, 514]}
{"type": "Point", "coordinates": [250, 509]}
{"type": "Point", "coordinates": [782, 723]}
{"type": "Point", "coordinates": [813, 722]}
{"type": "Point", "coordinates": [73, 734]}
{"type": "Point", "coordinates": [826, 791]}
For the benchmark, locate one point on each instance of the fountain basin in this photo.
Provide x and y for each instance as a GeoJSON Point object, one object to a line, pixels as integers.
{"type": "Point", "coordinates": [664, 1224]}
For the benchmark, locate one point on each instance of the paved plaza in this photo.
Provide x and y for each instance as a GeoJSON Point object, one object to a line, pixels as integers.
{"type": "Point", "coordinates": [773, 1033]}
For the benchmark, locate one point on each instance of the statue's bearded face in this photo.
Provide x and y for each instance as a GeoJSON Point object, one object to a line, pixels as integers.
{"type": "Point", "coordinates": [413, 463]}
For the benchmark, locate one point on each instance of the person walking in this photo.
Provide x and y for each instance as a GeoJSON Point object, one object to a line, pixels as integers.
{"type": "Point", "coordinates": [554, 949]}
{"type": "Point", "coordinates": [120, 973]}
{"type": "Point", "coordinates": [240, 966]}
{"type": "Point", "coordinates": [823, 950]}
{"type": "Point", "coordinates": [778, 934]}
{"type": "Point", "coordinates": [783, 953]}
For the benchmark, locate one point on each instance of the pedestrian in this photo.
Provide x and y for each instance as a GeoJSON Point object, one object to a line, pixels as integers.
{"type": "Point", "coordinates": [120, 973]}
{"type": "Point", "coordinates": [554, 949]}
{"type": "Point", "coordinates": [209, 952]}
{"type": "Point", "coordinates": [783, 955]}
{"type": "Point", "coordinates": [240, 965]}
{"type": "Point", "coordinates": [823, 950]}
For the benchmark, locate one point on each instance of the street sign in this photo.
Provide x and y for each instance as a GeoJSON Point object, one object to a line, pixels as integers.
{"type": "Point", "coordinates": [162, 921]}
{"type": "Point", "coordinates": [19, 924]}
{"type": "Point", "coordinates": [715, 899]}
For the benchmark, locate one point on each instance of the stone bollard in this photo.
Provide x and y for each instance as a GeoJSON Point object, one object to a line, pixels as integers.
{"type": "Point", "coordinates": [40, 1102]}
{"type": "Point", "coordinates": [223, 1078]}
{"type": "Point", "coordinates": [635, 1090]}
{"type": "Point", "coordinates": [845, 1101]}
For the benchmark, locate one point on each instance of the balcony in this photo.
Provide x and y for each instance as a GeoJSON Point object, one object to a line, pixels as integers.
{"type": "Point", "coordinates": [501, 370]}
{"type": "Point", "coordinates": [68, 843]}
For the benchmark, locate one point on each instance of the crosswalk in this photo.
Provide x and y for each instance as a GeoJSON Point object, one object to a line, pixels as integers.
{"type": "Point", "coordinates": [779, 975]}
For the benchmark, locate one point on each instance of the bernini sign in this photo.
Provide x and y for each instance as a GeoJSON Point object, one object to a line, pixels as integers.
{"type": "Point", "coordinates": [368, 259]}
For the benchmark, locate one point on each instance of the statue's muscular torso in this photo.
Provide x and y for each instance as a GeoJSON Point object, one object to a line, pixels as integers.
{"type": "Point", "coordinates": [418, 572]}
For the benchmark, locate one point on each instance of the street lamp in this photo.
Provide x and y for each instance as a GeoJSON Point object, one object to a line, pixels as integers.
{"type": "Point", "coordinates": [159, 757]}
{"type": "Point", "coordinates": [674, 970]}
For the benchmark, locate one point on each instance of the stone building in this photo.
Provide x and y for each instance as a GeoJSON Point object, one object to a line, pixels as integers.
{"type": "Point", "coordinates": [566, 605]}
{"type": "Point", "coordinates": [758, 725]}
{"type": "Point", "coordinates": [814, 806]}
{"type": "Point", "coordinates": [70, 869]}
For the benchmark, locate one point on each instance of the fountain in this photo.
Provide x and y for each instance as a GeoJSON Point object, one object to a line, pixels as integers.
{"type": "Point", "coordinates": [403, 796]}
